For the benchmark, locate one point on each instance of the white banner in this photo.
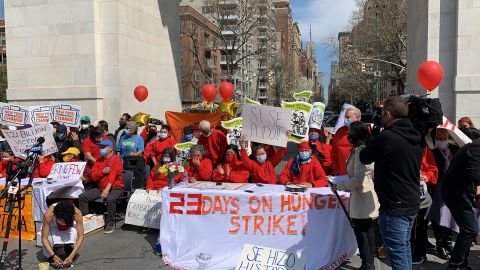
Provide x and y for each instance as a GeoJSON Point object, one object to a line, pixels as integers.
{"type": "Point", "coordinates": [40, 115]}
{"type": "Point", "coordinates": [144, 209]}
{"type": "Point", "coordinates": [341, 117]}
{"type": "Point", "coordinates": [13, 115]}
{"type": "Point", "coordinates": [207, 229]}
{"type": "Point", "coordinates": [66, 114]}
{"type": "Point", "coordinates": [22, 140]}
{"type": "Point", "coordinates": [67, 170]}
{"type": "Point", "coordinates": [458, 136]}
{"type": "Point", "coordinates": [316, 118]}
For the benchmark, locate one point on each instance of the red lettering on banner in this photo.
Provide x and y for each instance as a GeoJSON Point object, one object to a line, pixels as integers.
{"type": "Point", "coordinates": [246, 219]}
{"type": "Point", "coordinates": [290, 224]}
{"type": "Point", "coordinates": [321, 204]}
{"type": "Point", "coordinates": [217, 205]}
{"type": "Point", "coordinates": [332, 201]}
{"type": "Point", "coordinates": [257, 224]}
{"type": "Point", "coordinates": [304, 231]}
{"type": "Point", "coordinates": [235, 205]}
{"type": "Point", "coordinates": [267, 203]}
{"type": "Point", "coordinates": [285, 201]}
{"type": "Point", "coordinates": [173, 205]}
{"type": "Point", "coordinates": [308, 201]}
{"type": "Point", "coordinates": [197, 204]}
{"type": "Point", "coordinates": [234, 221]}
{"type": "Point", "coordinates": [206, 199]}
{"type": "Point", "coordinates": [254, 200]}
{"type": "Point", "coordinates": [276, 224]}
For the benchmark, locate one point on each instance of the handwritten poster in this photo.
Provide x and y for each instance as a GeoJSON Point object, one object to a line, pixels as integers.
{"type": "Point", "coordinates": [316, 118]}
{"type": "Point", "coordinates": [13, 115]}
{"type": "Point", "coordinates": [144, 209]}
{"type": "Point", "coordinates": [22, 140]}
{"type": "Point", "coordinates": [67, 170]}
{"type": "Point", "coordinates": [40, 115]}
{"type": "Point", "coordinates": [27, 224]}
{"type": "Point", "coordinates": [66, 114]}
{"type": "Point", "coordinates": [235, 135]}
{"type": "Point", "coordinates": [341, 117]}
{"type": "Point", "coordinates": [265, 124]}
{"type": "Point", "coordinates": [258, 257]}
{"type": "Point", "coordinates": [302, 96]}
{"type": "Point", "coordinates": [183, 151]}
{"type": "Point", "coordinates": [299, 120]}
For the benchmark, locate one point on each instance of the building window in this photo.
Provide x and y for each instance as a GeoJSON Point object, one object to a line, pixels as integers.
{"type": "Point", "coordinates": [207, 9]}
{"type": "Point", "coordinates": [3, 40]}
{"type": "Point", "coordinates": [196, 75]}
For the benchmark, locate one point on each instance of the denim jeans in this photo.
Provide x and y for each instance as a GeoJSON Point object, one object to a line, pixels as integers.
{"type": "Point", "coordinates": [396, 232]}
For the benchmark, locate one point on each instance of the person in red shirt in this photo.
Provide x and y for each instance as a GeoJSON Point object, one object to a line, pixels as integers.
{"type": "Point", "coordinates": [91, 150]}
{"type": "Point", "coordinates": [320, 149]}
{"type": "Point", "coordinates": [213, 140]}
{"type": "Point", "coordinates": [7, 156]}
{"type": "Point", "coordinates": [156, 180]}
{"type": "Point", "coordinates": [44, 167]}
{"type": "Point", "coordinates": [155, 150]}
{"type": "Point", "coordinates": [231, 169]}
{"type": "Point", "coordinates": [428, 168]}
{"type": "Point", "coordinates": [341, 147]}
{"type": "Point", "coordinates": [199, 167]}
{"type": "Point", "coordinates": [303, 169]}
{"type": "Point", "coordinates": [107, 174]}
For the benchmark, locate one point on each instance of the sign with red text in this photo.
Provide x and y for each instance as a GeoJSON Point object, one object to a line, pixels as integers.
{"type": "Point", "coordinates": [67, 170]}
{"type": "Point", "coordinates": [22, 140]}
{"type": "Point", "coordinates": [40, 115]}
{"type": "Point", "coordinates": [13, 115]}
{"type": "Point", "coordinates": [258, 257]}
{"type": "Point", "coordinates": [66, 114]}
{"type": "Point", "coordinates": [144, 209]}
{"type": "Point", "coordinates": [310, 225]}
{"type": "Point", "coordinates": [458, 136]}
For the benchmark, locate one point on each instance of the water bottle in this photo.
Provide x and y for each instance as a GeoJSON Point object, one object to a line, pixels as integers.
{"type": "Point", "coordinates": [158, 248]}
{"type": "Point", "coordinates": [185, 178]}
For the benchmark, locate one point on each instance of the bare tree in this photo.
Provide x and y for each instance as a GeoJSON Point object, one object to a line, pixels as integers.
{"type": "Point", "coordinates": [283, 81]}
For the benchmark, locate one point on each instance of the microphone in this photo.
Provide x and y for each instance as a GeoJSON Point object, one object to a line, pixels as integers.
{"type": "Point", "coordinates": [36, 148]}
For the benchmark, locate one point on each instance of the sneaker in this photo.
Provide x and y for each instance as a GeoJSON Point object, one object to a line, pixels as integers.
{"type": "Point", "coordinates": [381, 252]}
{"type": "Point", "coordinates": [442, 253]}
{"type": "Point", "coordinates": [418, 259]}
{"type": "Point", "coordinates": [108, 230]}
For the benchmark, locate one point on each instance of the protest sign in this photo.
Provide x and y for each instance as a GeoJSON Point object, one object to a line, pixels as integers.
{"type": "Point", "coordinates": [67, 170]}
{"type": "Point", "coordinates": [235, 134]}
{"type": "Point", "coordinates": [66, 114]}
{"type": "Point", "coordinates": [183, 151]}
{"type": "Point", "coordinates": [302, 96]}
{"type": "Point", "coordinates": [341, 117]}
{"type": "Point", "coordinates": [458, 136]}
{"type": "Point", "coordinates": [316, 118]}
{"type": "Point", "coordinates": [144, 209]}
{"type": "Point", "coordinates": [258, 257]}
{"type": "Point", "coordinates": [40, 115]}
{"type": "Point", "coordinates": [299, 120]}
{"type": "Point", "coordinates": [13, 115]}
{"type": "Point", "coordinates": [265, 124]}
{"type": "Point", "coordinates": [27, 224]}
{"type": "Point", "coordinates": [251, 101]}
{"type": "Point", "coordinates": [22, 140]}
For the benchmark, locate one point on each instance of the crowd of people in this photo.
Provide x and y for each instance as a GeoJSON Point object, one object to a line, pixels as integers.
{"type": "Point", "coordinates": [397, 184]}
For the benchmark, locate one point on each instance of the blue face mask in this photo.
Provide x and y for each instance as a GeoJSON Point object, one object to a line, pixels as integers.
{"type": "Point", "coordinates": [313, 137]}
{"type": "Point", "coordinates": [103, 152]}
{"type": "Point", "coordinates": [188, 137]}
{"type": "Point", "coordinates": [166, 159]}
{"type": "Point", "coordinates": [126, 132]}
{"type": "Point", "coordinates": [261, 158]}
{"type": "Point", "coordinates": [347, 122]}
{"type": "Point", "coordinates": [304, 155]}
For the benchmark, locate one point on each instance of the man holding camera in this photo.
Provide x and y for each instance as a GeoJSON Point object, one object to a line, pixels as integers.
{"type": "Point", "coordinates": [397, 153]}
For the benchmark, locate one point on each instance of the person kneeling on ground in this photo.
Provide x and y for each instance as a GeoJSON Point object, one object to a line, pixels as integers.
{"type": "Point", "coordinates": [107, 174]}
{"type": "Point", "coordinates": [62, 227]}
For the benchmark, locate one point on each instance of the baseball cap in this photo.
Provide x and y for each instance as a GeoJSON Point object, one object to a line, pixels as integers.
{"type": "Point", "coordinates": [86, 118]}
{"type": "Point", "coordinates": [106, 143]}
{"type": "Point", "coordinates": [73, 151]}
{"type": "Point", "coordinates": [61, 129]}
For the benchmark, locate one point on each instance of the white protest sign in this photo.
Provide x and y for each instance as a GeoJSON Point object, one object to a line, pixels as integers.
{"type": "Point", "coordinates": [460, 138]}
{"type": "Point", "coordinates": [235, 134]}
{"type": "Point", "coordinates": [144, 209]}
{"type": "Point", "coordinates": [258, 257]}
{"type": "Point", "coordinates": [39, 115]}
{"type": "Point", "coordinates": [66, 114]}
{"type": "Point", "coordinates": [302, 96]}
{"type": "Point", "coordinates": [265, 124]}
{"type": "Point", "coordinates": [22, 140]}
{"type": "Point", "coordinates": [316, 118]}
{"type": "Point", "coordinates": [341, 117]}
{"type": "Point", "coordinates": [299, 121]}
{"type": "Point", "coordinates": [251, 101]}
{"type": "Point", "coordinates": [67, 170]}
{"type": "Point", "coordinates": [13, 115]}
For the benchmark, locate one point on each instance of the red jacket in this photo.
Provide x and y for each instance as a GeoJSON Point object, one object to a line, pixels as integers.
{"type": "Point", "coordinates": [309, 173]}
{"type": "Point", "coordinates": [429, 167]}
{"type": "Point", "coordinates": [263, 172]}
{"type": "Point", "coordinates": [158, 181]}
{"type": "Point", "coordinates": [238, 173]}
{"type": "Point", "coordinates": [156, 148]}
{"type": "Point", "coordinates": [115, 177]}
{"type": "Point", "coordinates": [43, 169]}
{"type": "Point", "coordinates": [325, 150]}
{"type": "Point", "coordinates": [341, 149]}
{"type": "Point", "coordinates": [201, 173]}
{"type": "Point", "coordinates": [88, 146]}
{"type": "Point", "coordinates": [215, 145]}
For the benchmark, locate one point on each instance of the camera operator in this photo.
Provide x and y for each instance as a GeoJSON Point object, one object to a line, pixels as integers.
{"type": "Point", "coordinates": [397, 153]}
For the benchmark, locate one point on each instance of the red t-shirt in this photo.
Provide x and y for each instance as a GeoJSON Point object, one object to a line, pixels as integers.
{"type": "Point", "coordinates": [89, 146]}
{"type": "Point", "coordinates": [238, 173]}
{"type": "Point", "coordinates": [263, 172]}
{"type": "Point", "coordinates": [115, 177]}
{"type": "Point", "coordinates": [43, 169]}
{"type": "Point", "coordinates": [158, 181]}
{"type": "Point", "coordinates": [215, 145]}
{"type": "Point", "coordinates": [309, 173]}
{"type": "Point", "coordinates": [201, 173]}
{"type": "Point", "coordinates": [156, 148]}
{"type": "Point", "coordinates": [429, 168]}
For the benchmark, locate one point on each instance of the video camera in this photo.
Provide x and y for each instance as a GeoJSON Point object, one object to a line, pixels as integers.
{"type": "Point", "coordinates": [425, 113]}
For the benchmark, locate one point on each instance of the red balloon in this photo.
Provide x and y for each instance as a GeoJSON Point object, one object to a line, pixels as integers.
{"type": "Point", "coordinates": [226, 91]}
{"type": "Point", "coordinates": [141, 93]}
{"type": "Point", "coordinates": [430, 75]}
{"type": "Point", "coordinates": [209, 92]}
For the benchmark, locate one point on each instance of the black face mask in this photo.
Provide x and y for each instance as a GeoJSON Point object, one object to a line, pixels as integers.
{"type": "Point", "coordinates": [350, 139]}
{"type": "Point", "coordinates": [152, 134]}
{"type": "Point", "coordinates": [122, 123]}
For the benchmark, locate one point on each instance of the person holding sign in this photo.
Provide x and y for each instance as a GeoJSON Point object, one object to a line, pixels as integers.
{"type": "Point", "coordinates": [107, 174]}
{"type": "Point", "coordinates": [157, 180]}
{"type": "Point", "coordinates": [200, 167]}
{"type": "Point", "coordinates": [303, 169]}
{"type": "Point", "coordinates": [231, 169]}
{"type": "Point", "coordinates": [341, 147]}
{"type": "Point", "coordinates": [321, 150]}
{"type": "Point", "coordinates": [213, 140]}
{"type": "Point", "coordinates": [62, 227]}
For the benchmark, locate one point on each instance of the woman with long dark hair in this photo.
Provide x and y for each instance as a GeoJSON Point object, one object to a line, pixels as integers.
{"type": "Point", "coordinates": [230, 168]}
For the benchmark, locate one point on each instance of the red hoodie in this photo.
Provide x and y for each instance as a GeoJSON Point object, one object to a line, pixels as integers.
{"type": "Point", "coordinates": [201, 173]}
{"type": "Point", "coordinates": [158, 181]}
{"type": "Point", "coordinates": [155, 149]}
{"type": "Point", "coordinates": [115, 177]}
{"type": "Point", "coordinates": [309, 173]}
{"type": "Point", "coordinates": [428, 167]}
{"type": "Point", "coordinates": [43, 169]}
{"type": "Point", "coordinates": [263, 172]}
{"type": "Point", "coordinates": [215, 145]}
{"type": "Point", "coordinates": [238, 173]}
{"type": "Point", "coordinates": [341, 149]}
{"type": "Point", "coordinates": [325, 150]}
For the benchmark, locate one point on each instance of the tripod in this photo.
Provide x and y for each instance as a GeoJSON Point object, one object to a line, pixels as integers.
{"type": "Point", "coordinates": [15, 191]}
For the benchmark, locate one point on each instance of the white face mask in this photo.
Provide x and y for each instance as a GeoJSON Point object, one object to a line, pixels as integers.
{"type": "Point", "coordinates": [162, 135]}
{"type": "Point", "coordinates": [442, 145]}
{"type": "Point", "coordinates": [85, 126]}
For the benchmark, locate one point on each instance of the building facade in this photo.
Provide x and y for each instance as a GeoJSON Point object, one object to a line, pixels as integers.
{"type": "Point", "coordinates": [3, 43]}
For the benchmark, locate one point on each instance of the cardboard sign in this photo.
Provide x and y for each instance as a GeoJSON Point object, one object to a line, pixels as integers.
{"type": "Point", "coordinates": [265, 124]}
{"type": "Point", "coordinates": [66, 114]}
{"type": "Point", "coordinates": [460, 138]}
{"type": "Point", "coordinates": [299, 120]}
{"type": "Point", "coordinates": [22, 140]}
{"type": "Point", "coordinates": [28, 224]}
{"type": "Point", "coordinates": [67, 170]}
{"type": "Point", "coordinates": [341, 117]}
{"type": "Point", "coordinates": [144, 209]}
{"type": "Point", "coordinates": [235, 135]}
{"type": "Point", "coordinates": [13, 115]}
{"type": "Point", "coordinates": [302, 96]}
{"type": "Point", "coordinates": [40, 115]}
{"type": "Point", "coordinates": [258, 257]}
{"type": "Point", "coordinates": [183, 151]}
{"type": "Point", "coordinates": [316, 117]}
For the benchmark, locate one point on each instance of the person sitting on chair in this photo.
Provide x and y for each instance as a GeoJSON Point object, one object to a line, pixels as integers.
{"type": "Point", "coordinates": [62, 227]}
{"type": "Point", "coordinates": [157, 180]}
{"type": "Point", "coordinates": [107, 174]}
{"type": "Point", "coordinates": [230, 168]}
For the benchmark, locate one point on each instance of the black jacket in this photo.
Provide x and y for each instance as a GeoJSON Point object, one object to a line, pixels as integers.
{"type": "Point", "coordinates": [397, 153]}
{"type": "Point", "coordinates": [440, 161]}
{"type": "Point", "coordinates": [463, 175]}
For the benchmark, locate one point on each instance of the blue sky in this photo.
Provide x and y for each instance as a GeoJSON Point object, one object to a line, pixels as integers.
{"type": "Point", "coordinates": [2, 14]}
{"type": "Point", "coordinates": [327, 17]}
